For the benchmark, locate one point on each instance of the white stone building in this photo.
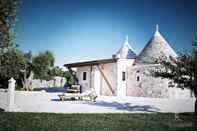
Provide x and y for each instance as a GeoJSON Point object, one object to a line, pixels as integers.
{"type": "Point", "coordinates": [128, 74]}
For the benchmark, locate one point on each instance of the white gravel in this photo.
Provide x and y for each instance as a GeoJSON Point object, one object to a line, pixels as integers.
{"type": "Point", "coordinates": [49, 102]}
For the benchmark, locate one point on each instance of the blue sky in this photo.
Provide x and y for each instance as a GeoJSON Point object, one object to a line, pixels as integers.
{"type": "Point", "coordinates": [92, 29]}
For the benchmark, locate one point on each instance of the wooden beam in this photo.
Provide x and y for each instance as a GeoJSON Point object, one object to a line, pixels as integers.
{"type": "Point", "coordinates": [91, 76]}
{"type": "Point", "coordinates": [106, 80]}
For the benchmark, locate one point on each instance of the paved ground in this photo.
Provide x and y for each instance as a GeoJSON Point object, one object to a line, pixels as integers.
{"type": "Point", "coordinates": [49, 102]}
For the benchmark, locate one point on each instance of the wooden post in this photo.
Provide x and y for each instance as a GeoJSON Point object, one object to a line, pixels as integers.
{"type": "Point", "coordinates": [91, 76]}
{"type": "Point", "coordinates": [106, 80]}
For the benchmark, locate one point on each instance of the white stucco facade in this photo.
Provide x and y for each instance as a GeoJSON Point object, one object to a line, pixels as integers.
{"type": "Point", "coordinates": [94, 78]}
{"type": "Point", "coordinates": [85, 84]}
{"type": "Point", "coordinates": [128, 74]}
{"type": "Point", "coordinates": [122, 65]}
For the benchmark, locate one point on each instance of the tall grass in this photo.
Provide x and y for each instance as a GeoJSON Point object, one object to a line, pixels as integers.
{"type": "Point", "coordinates": [96, 122]}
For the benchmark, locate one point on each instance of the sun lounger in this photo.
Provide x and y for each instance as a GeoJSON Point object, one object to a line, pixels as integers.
{"type": "Point", "coordinates": [90, 95]}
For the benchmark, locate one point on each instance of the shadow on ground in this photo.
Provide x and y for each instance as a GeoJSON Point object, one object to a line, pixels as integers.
{"type": "Point", "coordinates": [116, 105]}
{"type": "Point", "coordinates": [53, 89]}
{"type": "Point", "coordinates": [125, 106]}
{"type": "Point", "coordinates": [66, 99]}
{"type": "Point", "coordinates": [1, 110]}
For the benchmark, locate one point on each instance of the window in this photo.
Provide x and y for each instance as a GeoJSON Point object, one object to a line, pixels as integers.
{"type": "Point", "coordinates": [138, 78]}
{"type": "Point", "coordinates": [171, 84]}
{"type": "Point", "coordinates": [123, 76]}
{"type": "Point", "coordinates": [84, 76]}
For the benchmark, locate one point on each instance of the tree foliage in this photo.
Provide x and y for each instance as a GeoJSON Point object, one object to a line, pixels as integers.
{"type": "Point", "coordinates": [17, 64]}
{"type": "Point", "coordinates": [11, 62]}
{"type": "Point", "coordinates": [56, 71]}
{"type": "Point", "coordinates": [8, 12]}
{"type": "Point", "coordinates": [71, 77]}
{"type": "Point", "coordinates": [11, 59]}
{"type": "Point", "coordinates": [43, 63]}
{"type": "Point", "coordinates": [182, 70]}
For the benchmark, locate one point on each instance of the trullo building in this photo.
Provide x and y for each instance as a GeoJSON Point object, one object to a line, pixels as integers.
{"type": "Point", "coordinates": [128, 74]}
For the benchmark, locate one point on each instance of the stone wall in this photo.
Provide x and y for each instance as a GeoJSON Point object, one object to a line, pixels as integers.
{"type": "Point", "coordinates": [56, 82]}
{"type": "Point", "coordinates": [140, 82]}
{"type": "Point", "coordinates": [7, 96]}
{"type": "Point", "coordinates": [3, 98]}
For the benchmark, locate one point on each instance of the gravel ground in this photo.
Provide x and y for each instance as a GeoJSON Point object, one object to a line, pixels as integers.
{"type": "Point", "coordinates": [49, 102]}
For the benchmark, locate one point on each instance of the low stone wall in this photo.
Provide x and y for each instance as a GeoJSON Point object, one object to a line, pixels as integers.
{"type": "Point", "coordinates": [56, 82]}
{"type": "Point", "coordinates": [3, 98]}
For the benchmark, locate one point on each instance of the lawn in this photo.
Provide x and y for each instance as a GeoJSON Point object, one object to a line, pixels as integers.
{"type": "Point", "coordinates": [97, 122]}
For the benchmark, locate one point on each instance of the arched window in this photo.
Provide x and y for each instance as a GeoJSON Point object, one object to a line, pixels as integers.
{"type": "Point", "coordinates": [138, 78]}
{"type": "Point", "coordinates": [123, 76]}
{"type": "Point", "coordinates": [84, 76]}
{"type": "Point", "coordinates": [171, 84]}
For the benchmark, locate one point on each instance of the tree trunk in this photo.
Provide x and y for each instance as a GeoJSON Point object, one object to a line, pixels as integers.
{"type": "Point", "coordinates": [195, 106]}
{"type": "Point", "coordinates": [195, 110]}
{"type": "Point", "coordinates": [23, 83]}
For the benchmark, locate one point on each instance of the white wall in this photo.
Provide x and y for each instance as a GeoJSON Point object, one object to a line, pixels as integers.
{"type": "Point", "coordinates": [122, 66]}
{"type": "Point", "coordinates": [110, 71]}
{"type": "Point", "coordinates": [3, 98]}
{"type": "Point", "coordinates": [85, 84]}
{"type": "Point", "coordinates": [96, 80]}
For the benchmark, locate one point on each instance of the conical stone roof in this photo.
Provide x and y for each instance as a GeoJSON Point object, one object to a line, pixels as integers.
{"type": "Point", "coordinates": [125, 52]}
{"type": "Point", "coordinates": [156, 48]}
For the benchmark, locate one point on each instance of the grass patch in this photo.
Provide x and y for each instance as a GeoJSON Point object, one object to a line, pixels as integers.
{"type": "Point", "coordinates": [96, 122]}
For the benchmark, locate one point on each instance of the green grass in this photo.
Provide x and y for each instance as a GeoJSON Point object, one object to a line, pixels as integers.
{"type": "Point", "coordinates": [96, 122]}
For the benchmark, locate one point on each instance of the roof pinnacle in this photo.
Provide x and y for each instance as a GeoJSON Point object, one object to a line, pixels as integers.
{"type": "Point", "coordinates": [126, 38]}
{"type": "Point", "coordinates": [157, 27]}
{"type": "Point", "coordinates": [157, 30]}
